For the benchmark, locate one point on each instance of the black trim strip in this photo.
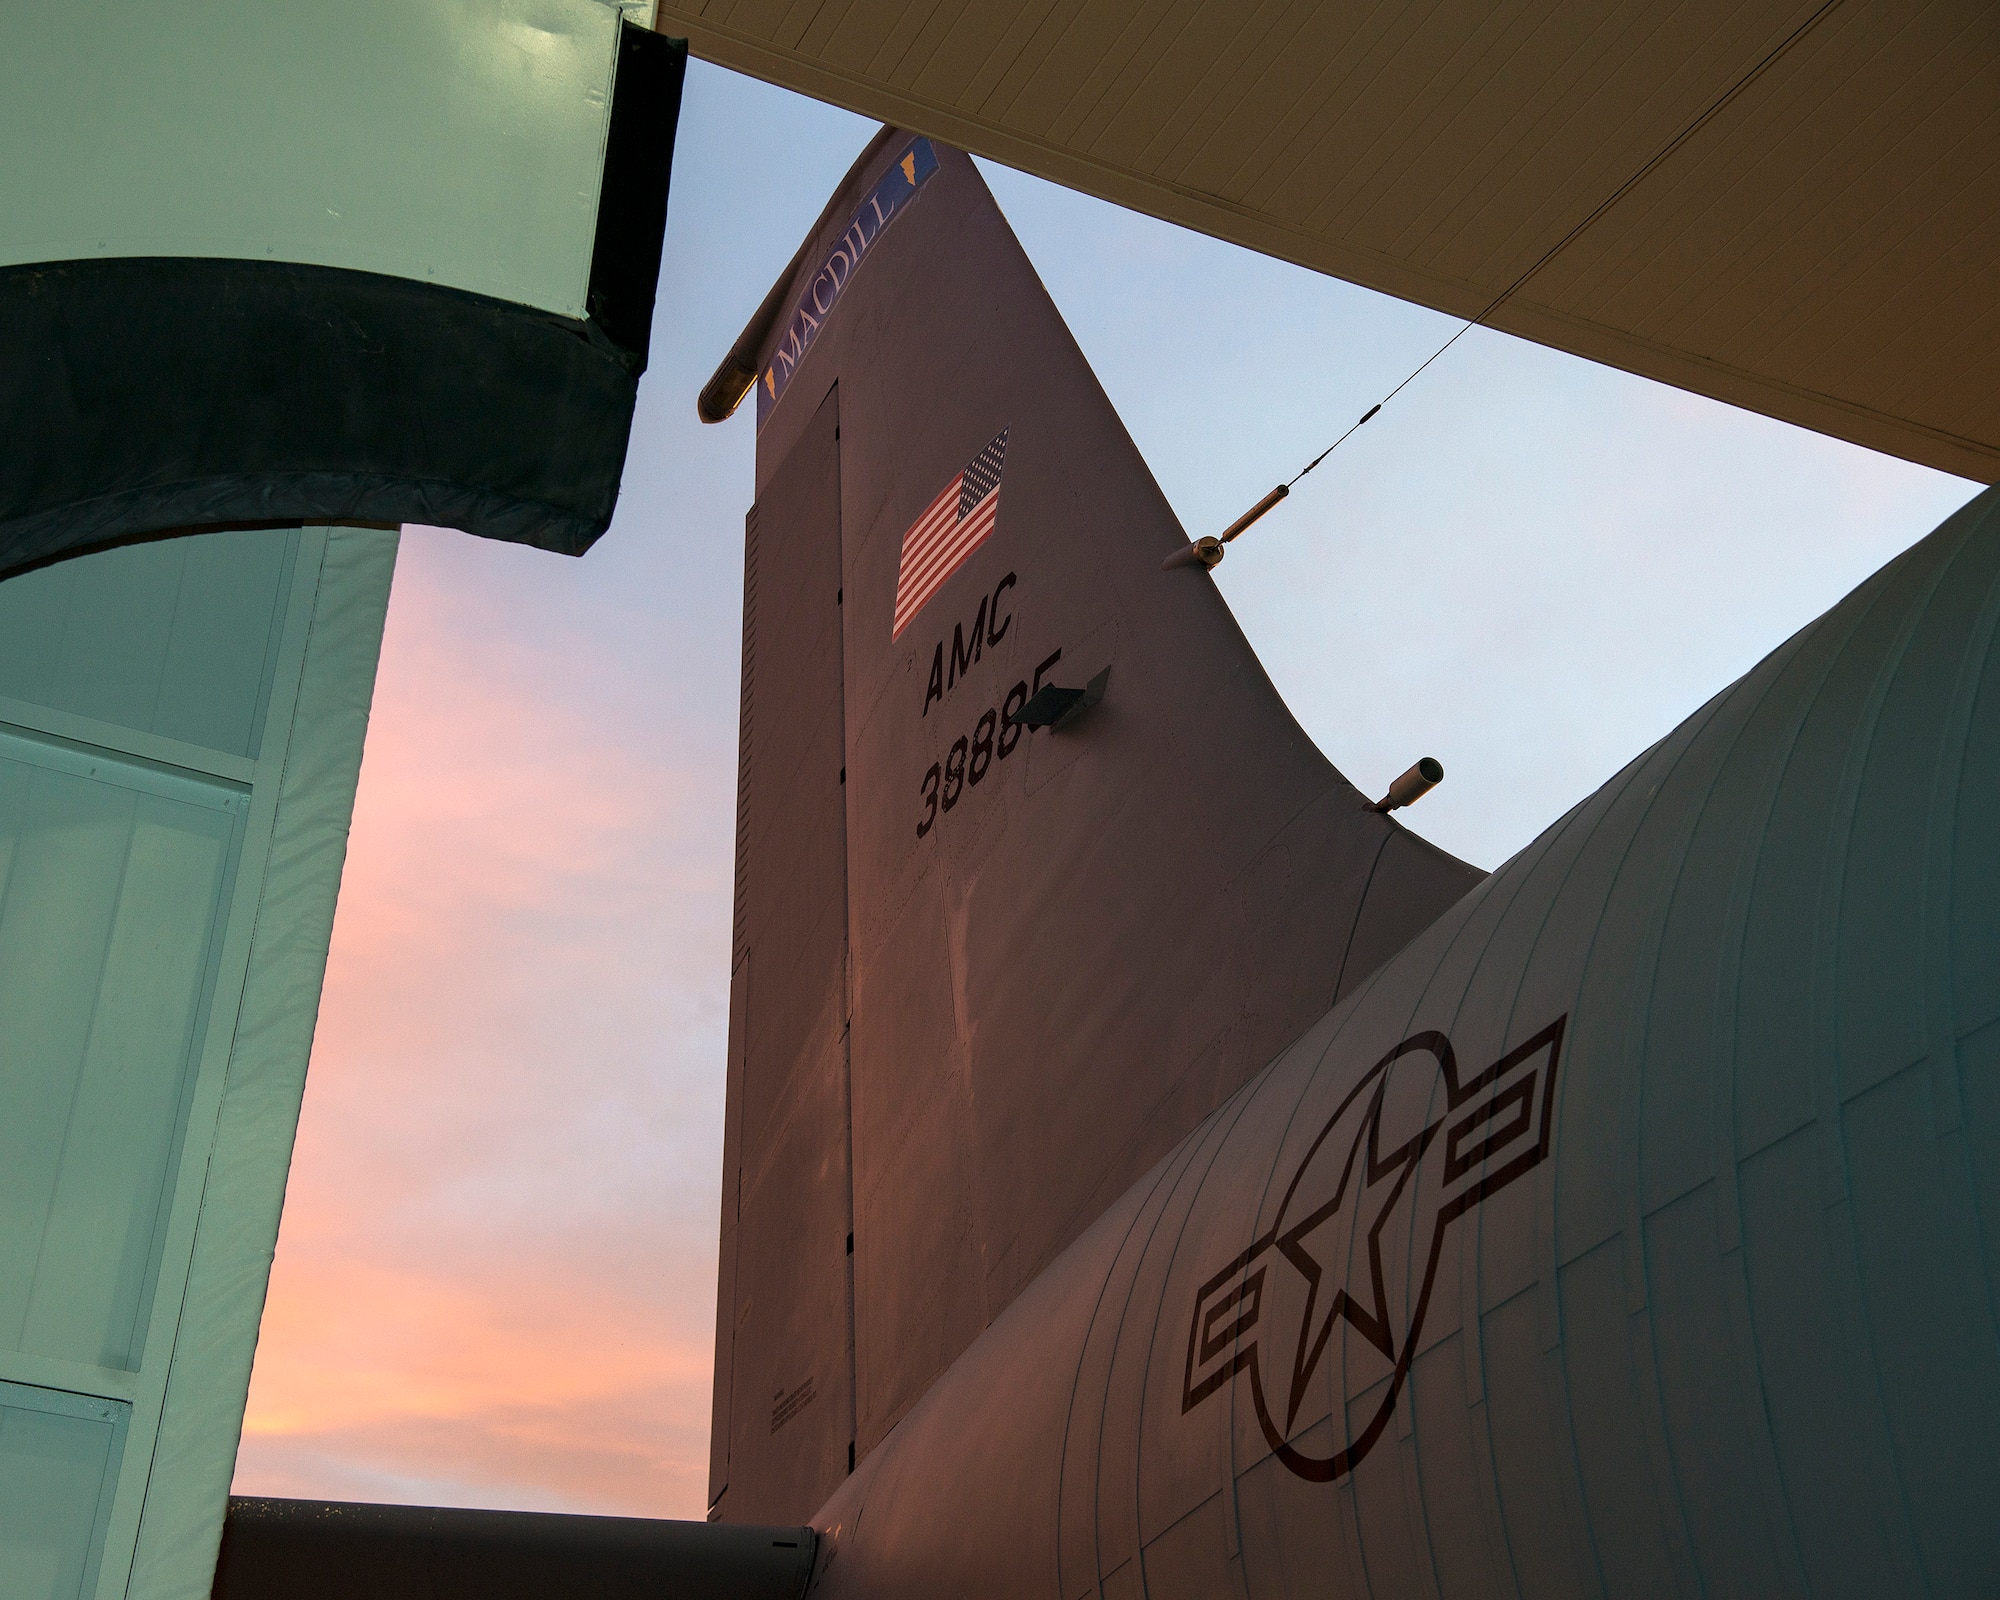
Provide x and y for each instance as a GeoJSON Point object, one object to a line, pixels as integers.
{"type": "Point", "coordinates": [632, 202]}
{"type": "Point", "coordinates": [318, 1550]}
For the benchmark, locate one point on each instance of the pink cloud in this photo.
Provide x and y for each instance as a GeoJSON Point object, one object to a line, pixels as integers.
{"type": "Point", "coordinates": [495, 1279]}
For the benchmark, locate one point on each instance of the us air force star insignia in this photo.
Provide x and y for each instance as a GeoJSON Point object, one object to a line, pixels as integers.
{"type": "Point", "coordinates": [1360, 1230]}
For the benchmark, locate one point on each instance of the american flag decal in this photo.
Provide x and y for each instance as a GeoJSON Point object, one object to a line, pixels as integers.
{"type": "Point", "coordinates": [953, 525]}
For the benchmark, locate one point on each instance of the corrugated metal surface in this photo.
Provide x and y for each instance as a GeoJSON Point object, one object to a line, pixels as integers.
{"type": "Point", "coordinates": [1814, 231]}
{"type": "Point", "coordinates": [111, 904]}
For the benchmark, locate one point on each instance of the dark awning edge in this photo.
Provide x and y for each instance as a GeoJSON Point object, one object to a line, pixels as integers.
{"type": "Point", "coordinates": [140, 395]}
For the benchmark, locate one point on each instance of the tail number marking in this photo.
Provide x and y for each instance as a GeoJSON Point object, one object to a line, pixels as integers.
{"type": "Point", "coordinates": [993, 738]}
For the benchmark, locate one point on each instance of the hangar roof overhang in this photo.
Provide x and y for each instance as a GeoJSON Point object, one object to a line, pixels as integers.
{"type": "Point", "coordinates": [1790, 205]}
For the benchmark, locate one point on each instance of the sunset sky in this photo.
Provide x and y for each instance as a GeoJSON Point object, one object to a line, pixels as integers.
{"type": "Point", "coordinates": [495, 1281]}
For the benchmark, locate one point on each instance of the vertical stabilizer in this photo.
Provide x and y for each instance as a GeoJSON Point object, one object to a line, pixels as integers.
{"type": "Point", "coordinates": [1035, 868]}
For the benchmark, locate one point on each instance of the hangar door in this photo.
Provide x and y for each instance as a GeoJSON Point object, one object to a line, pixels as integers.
{"type": "Point", "coordinates": [180, 732]}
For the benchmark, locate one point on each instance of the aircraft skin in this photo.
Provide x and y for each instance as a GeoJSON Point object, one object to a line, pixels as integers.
{"type": "Point", "coordinates": [1692, 1294]}
{"type": "Point", "coordinates": [984, 977]}
{"type": "Point", "coordinates": [1626, 1226]}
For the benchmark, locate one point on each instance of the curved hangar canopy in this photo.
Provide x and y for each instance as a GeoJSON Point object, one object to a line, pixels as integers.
{"type": "Point", "coordinates": [399, 268]}
{"type": "Point", "coordinates": [1791, 205]}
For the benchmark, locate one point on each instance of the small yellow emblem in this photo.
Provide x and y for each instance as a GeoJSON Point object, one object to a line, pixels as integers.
{"type": "Point", "coordinates": [910, 168]}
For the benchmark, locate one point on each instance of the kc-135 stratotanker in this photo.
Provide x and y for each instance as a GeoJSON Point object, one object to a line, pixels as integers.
{"type": "Point", "coordinates": [1151, 1169]}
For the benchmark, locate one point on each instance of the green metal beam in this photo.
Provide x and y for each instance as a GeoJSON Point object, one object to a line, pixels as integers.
{"type": "Point", "coordinates": [181, 727]}
{"type": "Point", "coordinates": [404, 137]}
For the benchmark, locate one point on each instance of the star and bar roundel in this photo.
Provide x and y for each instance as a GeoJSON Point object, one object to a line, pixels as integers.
{"type": "Point", "coordinates": [952, 526]}
{"type": "Point", "coordinates": [1354, 1250]}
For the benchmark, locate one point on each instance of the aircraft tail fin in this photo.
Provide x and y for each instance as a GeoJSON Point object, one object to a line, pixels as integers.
{"type": "Point", "coordinates": [1034, 867]}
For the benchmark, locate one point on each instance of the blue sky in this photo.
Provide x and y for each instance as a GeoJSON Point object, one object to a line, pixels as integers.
{"type": "Point", "coordinates": [495, 1280]}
